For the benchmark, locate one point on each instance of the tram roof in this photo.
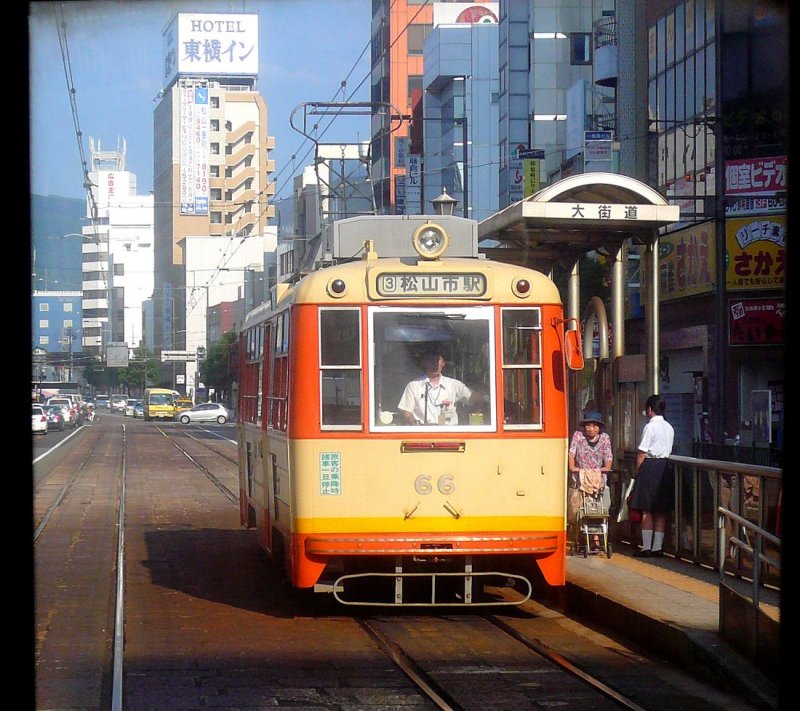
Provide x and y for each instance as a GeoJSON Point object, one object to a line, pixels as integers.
{"type": "Point", "coordinates": [575, 215]}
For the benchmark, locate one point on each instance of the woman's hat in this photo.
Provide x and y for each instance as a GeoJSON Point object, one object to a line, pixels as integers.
{"type": "Point", "coordinates": [592, 416]}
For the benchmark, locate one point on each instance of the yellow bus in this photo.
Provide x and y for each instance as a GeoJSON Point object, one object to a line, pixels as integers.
{"type": "Point", "coordinates": [159, 403]}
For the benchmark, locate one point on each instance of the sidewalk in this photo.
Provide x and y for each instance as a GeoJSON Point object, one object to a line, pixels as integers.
{"type": "Point", "coordinates": [669, 607]}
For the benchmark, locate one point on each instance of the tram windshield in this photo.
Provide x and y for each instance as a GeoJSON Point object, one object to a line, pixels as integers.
{"type": "Point", "coordinates": [410, 387]}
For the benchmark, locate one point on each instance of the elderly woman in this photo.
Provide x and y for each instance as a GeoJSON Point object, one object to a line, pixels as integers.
{"type": "Point", "coordinates": [590, 450]}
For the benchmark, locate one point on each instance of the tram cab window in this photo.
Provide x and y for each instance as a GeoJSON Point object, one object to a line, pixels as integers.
{"type": "Point", "coordinates": [340, 368]}
{"type": "Point", "coordinates": [522, 367]}
{"type": "Point", "coordinates": [400, 337]}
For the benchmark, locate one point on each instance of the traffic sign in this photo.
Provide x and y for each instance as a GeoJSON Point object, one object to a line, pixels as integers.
{"type": "Point", "coordinates": [597, 135]}
{"type": "Point", "coordinates": [178, 356]}
{"type": "Point", "coordinates": [527, 153]}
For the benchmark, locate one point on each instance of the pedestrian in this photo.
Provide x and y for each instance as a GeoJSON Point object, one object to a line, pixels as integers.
{"type": "Point", "coordinates": [590, 451]}
{"type": "Point", "coordinates": [652, 493]}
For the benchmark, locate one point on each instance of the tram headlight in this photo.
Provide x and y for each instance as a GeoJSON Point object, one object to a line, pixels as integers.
{"type": "Point", "coordinates": [521, 287]}
{"type": "Point", "coordinates": [337, 288]}
{"type": "Point", "coordinates": [430, 240]}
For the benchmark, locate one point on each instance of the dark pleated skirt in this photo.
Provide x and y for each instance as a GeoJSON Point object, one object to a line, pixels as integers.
{"type": "Point", "coordinates": [654, 487]}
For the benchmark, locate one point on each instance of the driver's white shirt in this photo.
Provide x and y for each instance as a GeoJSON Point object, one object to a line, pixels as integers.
{"type": "Point", "coordinates": [441, 397]}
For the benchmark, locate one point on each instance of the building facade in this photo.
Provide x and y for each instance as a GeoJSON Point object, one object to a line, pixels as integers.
{"type": "Point", "coordinates": [459, 122]}
{"type": "Point", "coordinates": [211, 162]}
{"type": "Point", "coordinates": [117, 253]}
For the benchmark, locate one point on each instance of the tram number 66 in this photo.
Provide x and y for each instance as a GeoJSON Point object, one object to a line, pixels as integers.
{"type": "Point", "coordinates": [445, 484]}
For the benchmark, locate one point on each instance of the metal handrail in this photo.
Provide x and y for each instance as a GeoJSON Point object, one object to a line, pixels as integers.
{"type": "Point", "coordinates": [755, 550]}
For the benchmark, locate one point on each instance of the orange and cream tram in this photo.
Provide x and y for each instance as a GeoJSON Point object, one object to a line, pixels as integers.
{"type": "Point", "coordinates": [346, 494]}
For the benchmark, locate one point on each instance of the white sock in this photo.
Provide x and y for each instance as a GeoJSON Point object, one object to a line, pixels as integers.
{"type": "Point", "coordinates": [647, 538]}
{"type": "Point", "coordinates": [658, 540]}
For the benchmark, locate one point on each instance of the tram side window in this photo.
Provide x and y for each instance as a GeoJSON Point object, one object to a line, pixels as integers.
{"type": "Point", "coordinates": [522, 367]}
{"type": "Point", "coordinates": [249, 386]}
{"type": "Point", "coordinates": [340, 367]}
{"type": "Point", "coordinates": [279, 379]}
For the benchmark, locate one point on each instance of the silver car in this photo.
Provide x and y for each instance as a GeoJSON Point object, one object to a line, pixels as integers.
{"type": "Point", "coordinates": [206, 412]}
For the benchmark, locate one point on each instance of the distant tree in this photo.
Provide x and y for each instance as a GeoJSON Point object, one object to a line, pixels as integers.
{"type": "Point", "coordinates": [214, 369]}
{"type": "Point", "coordinates": [595, 274]}
{"type": "Point", "coordinates": [134, 377]}
{"type": "Point", "coordinates": [101, 378]}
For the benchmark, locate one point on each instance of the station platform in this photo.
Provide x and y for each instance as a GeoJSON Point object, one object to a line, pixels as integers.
{"type": "Point", "coordinates": [669, 607]}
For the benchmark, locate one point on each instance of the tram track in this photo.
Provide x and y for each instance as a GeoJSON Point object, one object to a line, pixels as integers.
{"type": "Point", "coordinates": [232, 496]}
{"type": "Point", "coordinates": [445, 687]}
{"type": "Point", "coordinates": [202, 612]}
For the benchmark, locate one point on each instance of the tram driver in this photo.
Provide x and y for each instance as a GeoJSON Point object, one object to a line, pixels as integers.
{"type": "Point", "coordinates": [432, 397]}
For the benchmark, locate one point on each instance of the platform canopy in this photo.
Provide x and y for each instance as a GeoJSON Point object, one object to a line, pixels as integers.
{"type": "Point", "coordinates": [575, 215]}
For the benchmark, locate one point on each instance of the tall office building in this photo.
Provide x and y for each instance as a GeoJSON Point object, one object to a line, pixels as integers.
{"type": "Point", "coordinates": [211, 164]}
{"type": "Point", "coordinates": [117, 253]}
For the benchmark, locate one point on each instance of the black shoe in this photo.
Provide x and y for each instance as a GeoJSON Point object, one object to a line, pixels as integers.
{"type": "Point", "coordinates": [657, 554]}
{"type": "Point", "coordinates": [644, 553]}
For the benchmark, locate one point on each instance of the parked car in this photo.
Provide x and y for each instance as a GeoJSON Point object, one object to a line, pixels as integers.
{"type": "Point", "coordinates": [138, 409]}
{"type": "Point", "coordinates": [70, 415]}
{"type": "Point", "coordinates": [130, 403]}
{"type": "Point", "coordinates": [38, 420]}
{"type": "Point", "coordinates": [55, 418]}
{"type": "Point", "coordinates": [205, 412]}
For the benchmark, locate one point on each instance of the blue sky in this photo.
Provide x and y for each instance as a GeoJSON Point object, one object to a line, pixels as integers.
{"type": "Point", "coordinates": [307, 48]}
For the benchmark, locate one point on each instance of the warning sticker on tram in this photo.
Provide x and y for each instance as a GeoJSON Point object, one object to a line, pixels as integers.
{"type": "Point", "coordinates": [442, 284]}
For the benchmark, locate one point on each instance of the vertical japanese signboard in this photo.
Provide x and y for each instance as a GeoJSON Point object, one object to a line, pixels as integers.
{"type": "Point", "coordinates": [194, 148]}
{"type": "Point", "coordinates": [414, 185]}
{"type": "Point", "coordinates": [531, 161]}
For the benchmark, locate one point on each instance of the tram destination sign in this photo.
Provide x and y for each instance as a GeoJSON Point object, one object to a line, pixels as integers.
{"type": "Point", "coordinates": [459, 284]}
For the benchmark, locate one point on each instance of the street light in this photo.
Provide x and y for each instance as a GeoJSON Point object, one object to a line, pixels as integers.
{"type": "Point", "coordinates": [444, 204]}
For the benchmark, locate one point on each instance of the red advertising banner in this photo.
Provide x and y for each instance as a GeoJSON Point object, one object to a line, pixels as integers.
{"type": "Point", "coordinates": [763, 177]}
{"type": "Point", "coordinates": [756, 322]}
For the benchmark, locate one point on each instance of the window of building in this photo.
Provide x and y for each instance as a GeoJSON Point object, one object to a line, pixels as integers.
{"type": "Point", "coordinates": [44, 323]}
{"type": "Point", "coordinates": [44, 307]}
{"type": "Point", "coordinates": [215, 193]}
{"type": "Point", "coordinates": [214, 102]}
{"type": "Point", "coordinates": [216, 217]}
{"type": "Point", "coordinates": [67, 323]}
{"type": "Point", "coordinates": [416, 37]}
{"type": "Point", "coordinates": [214, 149]}
{"type": "Point", "coordinates": [44, 340]}
{"type": "Point", "coordinates": [414, 84]}
{"type": "Point", "coordinates": [119, 270]}
{"type": "Point", "coordinates": [68, 307]}
{"type": "Point", "coordinates": [213, 124]}
{"type": "Point", "coordinates": [580, 48]}
{"type": "Point", "coordinates": [213, 171]}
